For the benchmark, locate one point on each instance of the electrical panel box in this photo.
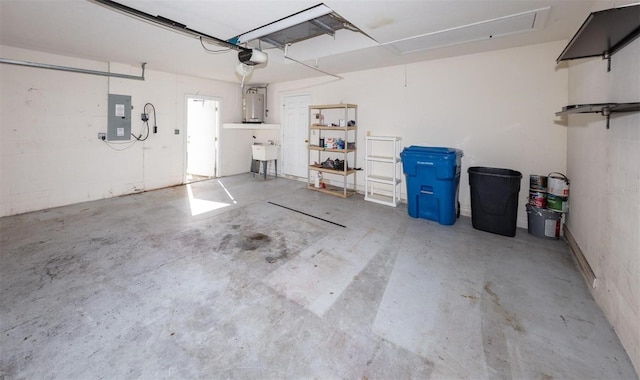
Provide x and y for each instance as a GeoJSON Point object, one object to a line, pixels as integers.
{"type": "Point", "coordinates": [119, 117]}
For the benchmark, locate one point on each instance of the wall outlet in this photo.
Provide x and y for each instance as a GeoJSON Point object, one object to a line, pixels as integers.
{"type": "Point", "coordinates": [176, 131]}
{"type": "Point", "coordinates": [102, 136]}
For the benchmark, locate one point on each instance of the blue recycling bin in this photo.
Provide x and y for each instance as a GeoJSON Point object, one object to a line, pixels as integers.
{"type": "Point", "coordinates": [433, 178]}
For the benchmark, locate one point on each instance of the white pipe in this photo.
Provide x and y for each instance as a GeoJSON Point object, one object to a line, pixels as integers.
{"type": "Point", "coordinates": [72, 69]}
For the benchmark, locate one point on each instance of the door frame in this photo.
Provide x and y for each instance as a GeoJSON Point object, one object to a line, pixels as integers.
{"type": "Point", "coordinates": [186, 133]}
{"type": "Point", "coordinates": [282, 117]}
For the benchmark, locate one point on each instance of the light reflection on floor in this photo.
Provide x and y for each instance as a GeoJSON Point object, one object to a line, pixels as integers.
{"type": "Point", "coordinates": [201, 206]}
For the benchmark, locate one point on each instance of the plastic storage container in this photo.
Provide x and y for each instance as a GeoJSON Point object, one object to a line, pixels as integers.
{"type": "Point", "coordinates": [433, 178]}
{"type": "Point", "coordinates": [494, 199]}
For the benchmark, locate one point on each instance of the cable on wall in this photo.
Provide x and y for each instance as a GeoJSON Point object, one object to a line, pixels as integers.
{"type": "Point", "coordinates": [149, 111]}
{"type": "Point", "coordinates": [155, 126]}
{"type": "Point", "coordinates": [112, 145]}
{"type": "Point", "coordinates": [211, 50]}
{"type": "Point", "coordinates": [148, 108]}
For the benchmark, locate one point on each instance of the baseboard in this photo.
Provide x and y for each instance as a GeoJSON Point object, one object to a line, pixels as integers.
{"type": "Point", "coordinates": [583, 265]}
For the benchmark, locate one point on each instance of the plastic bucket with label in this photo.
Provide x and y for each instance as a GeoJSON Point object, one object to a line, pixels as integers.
{"type": "Point", "coordinates": [544, 223]}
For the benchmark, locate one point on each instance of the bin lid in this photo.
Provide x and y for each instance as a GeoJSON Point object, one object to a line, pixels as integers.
{"type": "Point", "coordinates": [494, 172]}
{"type": "Point", "coordinates": [433, 151]}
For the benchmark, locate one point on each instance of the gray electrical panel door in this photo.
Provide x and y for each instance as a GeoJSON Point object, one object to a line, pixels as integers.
{"type": "Point", "coordinates": [119, 118]}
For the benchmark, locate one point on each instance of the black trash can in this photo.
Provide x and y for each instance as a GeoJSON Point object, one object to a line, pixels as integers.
{"type": "Point", "coordinates": [494, 199]}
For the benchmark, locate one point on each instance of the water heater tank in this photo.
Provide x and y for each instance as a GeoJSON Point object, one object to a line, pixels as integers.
{"type": "Point", "coordinates": [252, 108]}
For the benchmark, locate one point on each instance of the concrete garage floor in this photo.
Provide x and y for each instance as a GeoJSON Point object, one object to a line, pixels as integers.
{"type": "Point", "coordinates": [211, 280]}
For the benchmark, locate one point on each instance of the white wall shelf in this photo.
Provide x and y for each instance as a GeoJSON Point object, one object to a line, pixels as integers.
{"type": "Point", "coordinates": [383, 189]}
{"type": "Point", "coordinates": [605, 109]}
{"type": "Point", "coordinates": [253, 126]}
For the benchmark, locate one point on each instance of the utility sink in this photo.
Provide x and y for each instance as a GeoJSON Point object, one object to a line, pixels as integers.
{"type": "Point", "coordinates": [264, 152]}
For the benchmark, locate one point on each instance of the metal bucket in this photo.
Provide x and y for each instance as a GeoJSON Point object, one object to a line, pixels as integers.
{"type": "Point", "coordinates": [538, 198]}
{"type": "Point", "coordinates": [558, 184]}
{"type": "Point", "coordinates": [538, 182]}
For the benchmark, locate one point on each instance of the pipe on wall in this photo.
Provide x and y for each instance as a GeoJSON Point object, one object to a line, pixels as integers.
{"type": "Point", "coordinates": [72, 69]}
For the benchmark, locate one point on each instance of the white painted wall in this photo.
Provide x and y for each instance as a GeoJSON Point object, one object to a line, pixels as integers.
{"type": "Point", "coordinates": [498, 107]}
{"type": "Point", "coordinates": [50, 120]}
{"type": "Point", "coordinates": [604, 168]}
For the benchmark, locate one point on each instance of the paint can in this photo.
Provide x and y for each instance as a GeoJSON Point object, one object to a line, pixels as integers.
{"type": "Point", "coordinates": [557, 203]}
{"type": "Point", "coordinates": [558, 184]}
{"type": "Point", "coordinates": [538, 182]}
{"type": "Point", "coordinates": [538, 198]}
{"type": "Point", "coordinates": [543, 223]}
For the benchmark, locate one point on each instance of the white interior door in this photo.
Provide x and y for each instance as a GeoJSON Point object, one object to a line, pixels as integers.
{"type": "Point", "coordinates": [295, 129]}
{"type": "Point", "coordinates": [202, 120]}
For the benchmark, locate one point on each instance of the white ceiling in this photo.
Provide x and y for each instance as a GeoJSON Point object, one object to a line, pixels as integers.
{"type": "Point", "coordinates": [82, 28]}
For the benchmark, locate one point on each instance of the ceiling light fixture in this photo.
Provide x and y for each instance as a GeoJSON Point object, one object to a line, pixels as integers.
{"type": "Point", "coordinates": [244, 70]}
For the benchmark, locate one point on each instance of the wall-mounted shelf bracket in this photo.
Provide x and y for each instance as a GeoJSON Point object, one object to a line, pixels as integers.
{"type": "Point", "coordinates": [604, 33]}
{"type": "Point", "coordinates": [607, 56]}
{"type": "Point", "coordinates": [605, 109]}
